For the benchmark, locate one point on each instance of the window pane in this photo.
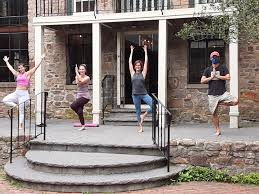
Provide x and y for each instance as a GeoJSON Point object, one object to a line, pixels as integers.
{"type": "Point", "coordinates": [4, 40]}
{"type": "Point", "coordinates": [3, 8]}
{"type": "Point", "coordinates": [197, 64]}
{"type": "Point", "coordinates": [19, 41]}
{"type": "Point", "coordinates": [80, 52]}
{"type": "Point", "coordinates": [78, 6]}
{"type": "Point", "coordinates": [4, 74]}
{"type": "Point", "coordinates": [85, 6]}
{"type": "Point", "coordinates": [92, 5]}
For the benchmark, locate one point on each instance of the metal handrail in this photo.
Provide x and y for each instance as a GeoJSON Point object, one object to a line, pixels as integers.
{"type": "Point", "coordinates": [43, 107]}
{"type": "Point", "coordinates": [161, 122]}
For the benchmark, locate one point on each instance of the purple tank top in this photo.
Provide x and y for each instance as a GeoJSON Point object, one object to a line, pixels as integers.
{"type": "Point", "coordinates": [83, 91]}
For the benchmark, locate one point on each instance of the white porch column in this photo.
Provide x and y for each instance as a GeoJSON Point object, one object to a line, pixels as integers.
{"type": "Point", "coordinates": [162, 61]}
{"type": "Point", "coordinates": [234, 74]}
{"type": "Point", "coordinates": [39, 74]}
{"type": "Point", "coordinates": [96, 35]}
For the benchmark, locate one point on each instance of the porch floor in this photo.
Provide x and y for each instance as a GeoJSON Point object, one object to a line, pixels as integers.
{"type": "Point", "coordinates": [63, 131]}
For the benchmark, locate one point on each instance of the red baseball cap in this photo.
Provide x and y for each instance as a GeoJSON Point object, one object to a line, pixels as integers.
{"type": "Point", "coordinates": [214, 53]}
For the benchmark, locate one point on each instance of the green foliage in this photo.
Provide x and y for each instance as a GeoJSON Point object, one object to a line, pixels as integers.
{"type": "Point", "coordinates": [241, 13]}
{"type": "Point", "coordinates": [203, 174]}
{"type": "Point", "coordinates": [208, 174]}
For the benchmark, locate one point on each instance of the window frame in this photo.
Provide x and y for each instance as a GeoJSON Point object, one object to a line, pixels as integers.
{"type": "Point", "coordinates": [206, 59]}
{"type": "Point", "coordinates": [12, 59]}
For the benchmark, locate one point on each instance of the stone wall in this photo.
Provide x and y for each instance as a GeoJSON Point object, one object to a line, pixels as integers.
{"type": "Point", "coordinates": [5, 150]}
{"type": "Point", "coordinates": [236, 156]}
{"type": "Point", "coordinates": [249, 81]}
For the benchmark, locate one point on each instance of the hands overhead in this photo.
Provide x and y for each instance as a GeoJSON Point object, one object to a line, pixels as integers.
{"type": "Point", "coordinates": [6, 59]}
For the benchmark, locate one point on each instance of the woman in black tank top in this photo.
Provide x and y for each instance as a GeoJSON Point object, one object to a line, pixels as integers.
{"type": "Point", "coordinates": [138, 74]}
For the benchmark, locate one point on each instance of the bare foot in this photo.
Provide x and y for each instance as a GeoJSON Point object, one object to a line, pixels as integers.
{"type": "Point", "coordinates": [218, 133]}
{"type": "Point", "coordinates": [140, 128]}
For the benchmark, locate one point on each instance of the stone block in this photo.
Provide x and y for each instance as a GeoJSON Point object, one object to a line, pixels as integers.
{"type": "Point", "coordinates": [173, 142]}
{"type": "Point", "coordinates": [249, 161]}
{"type": "Point", "coordinates": [239, 154]}
{"type": "Point", "coordinates": [212, 146]}
{"type": "Point", "coordinates": [238, 161]}
{"type": "Point", "coordinates": [223, 160]}
{"type": "Point", "coordinates": [250, 155]}
{"type": "Point", "coordinates": [212, 153]}
{"type": "Point", "coordinates": [179, 160]}
{"type": "Point", "coordinates": [226, 146]}
{"type": "Point", "coordinates": [238, 146]}
{"type": "Point", "coordinates": [187, 142]}
{"type": "Point", "coordinates": [199, 160]}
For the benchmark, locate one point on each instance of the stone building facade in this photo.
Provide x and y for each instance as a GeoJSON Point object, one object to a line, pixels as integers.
{"type": "Point", "coordinates": [188, 102]}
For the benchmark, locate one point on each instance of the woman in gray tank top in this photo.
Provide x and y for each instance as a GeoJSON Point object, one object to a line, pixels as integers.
{"type": "Point", "coordinates": [138, 74]}
{"type": "Point", "coordinates": [83, 96]}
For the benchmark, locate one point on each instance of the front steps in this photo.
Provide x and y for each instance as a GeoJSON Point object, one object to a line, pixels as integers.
{"type": "Point", "coordinates": [64, 167]}
{"type": "Point", "coordinates": [125, 117]}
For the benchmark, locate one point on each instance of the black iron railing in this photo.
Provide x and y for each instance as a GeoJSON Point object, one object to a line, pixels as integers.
{"type": "Point", "coordinates": [70, 7]}
{"type": "Point", "coordinates": [108, 93]}
{"type": "Point", "coordinates": [20, 137]}
{"type": "Point", "coordinates": [13, 20]}
{"type": "Point", "coordinates": [161, 122]}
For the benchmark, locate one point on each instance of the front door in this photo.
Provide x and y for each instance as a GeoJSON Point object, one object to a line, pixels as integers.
{"type": "Point", "coordinates": [138, 40]}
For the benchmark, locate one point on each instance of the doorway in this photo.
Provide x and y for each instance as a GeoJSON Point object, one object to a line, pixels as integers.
{"type": "Point", "coordinates": [138, 39]}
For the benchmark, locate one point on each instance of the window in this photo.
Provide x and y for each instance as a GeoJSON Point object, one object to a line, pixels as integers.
{"type": "Point", "coordinates": [199, 52]}
{"type": "Point", "coordinates": [14, 45]}
{"type": "Point", "coordinates": [79, 52]}
{"type": "Point", "coordinates": [84, 5]}
{"type": "Point", "coordinates": [13, 12]}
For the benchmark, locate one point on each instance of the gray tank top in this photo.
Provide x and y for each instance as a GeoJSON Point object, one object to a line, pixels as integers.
{"type": "Point", "coordinates": [83, 91]}
{"type": "Point", "coordinates": [138, 84]}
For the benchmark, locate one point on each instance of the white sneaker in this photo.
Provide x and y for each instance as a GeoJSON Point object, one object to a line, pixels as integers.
{"type": "Point", "coordinates": [81, 128]}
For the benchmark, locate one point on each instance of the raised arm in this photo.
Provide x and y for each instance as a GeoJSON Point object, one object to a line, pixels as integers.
{"type": "Point", "coordinates": [144, 72]}
{"type": "Point", "coordinates": [131, 69]}
{"type": "Point", "coordinates": [32, 70]}
{"type": "Point", "coordinates": [6, 59]}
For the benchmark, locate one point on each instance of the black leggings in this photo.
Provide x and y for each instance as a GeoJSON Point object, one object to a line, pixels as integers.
{"type": "Point", "coordinates": [78, 106]}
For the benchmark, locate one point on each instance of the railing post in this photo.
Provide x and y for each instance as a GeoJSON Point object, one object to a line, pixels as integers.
{"type": "Point", "coordinates": [168, 140]}
{"type": "Point", "coordinates": [11, 138]}
{"type": "Point", "coordinates": [154, 120]}
{"type": "Point", "coordinates": [45, 107]}
{"type": "Point", "coordinates": [36, 8]}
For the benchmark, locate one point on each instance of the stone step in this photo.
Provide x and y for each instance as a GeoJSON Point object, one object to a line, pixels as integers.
{"type": "Point", "coordinates": [125, 110]}
{"type": "Point", "coordinates": [149, 150]}
{"type": "Point", "coordinates": [125, 123]}
{"type": "Point", "coordinates": [91, 163]}
{"type": "Point", "coordinates": [20, 171]}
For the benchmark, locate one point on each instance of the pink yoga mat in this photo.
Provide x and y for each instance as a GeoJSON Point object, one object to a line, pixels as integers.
{"type": "Point", "coordinates": [87, 125]}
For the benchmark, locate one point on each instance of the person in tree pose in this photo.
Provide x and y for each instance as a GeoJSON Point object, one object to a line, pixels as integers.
{"type": "Point", "coordinates": [138, 74]}
{"type": "Point", "coordinates": [216, 76]}
{"type": "Point", "coordinates": [21, 94]}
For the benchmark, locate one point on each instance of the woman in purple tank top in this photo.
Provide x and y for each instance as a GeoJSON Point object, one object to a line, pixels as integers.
{"type": "Point", "coordinates": [83, 96]}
